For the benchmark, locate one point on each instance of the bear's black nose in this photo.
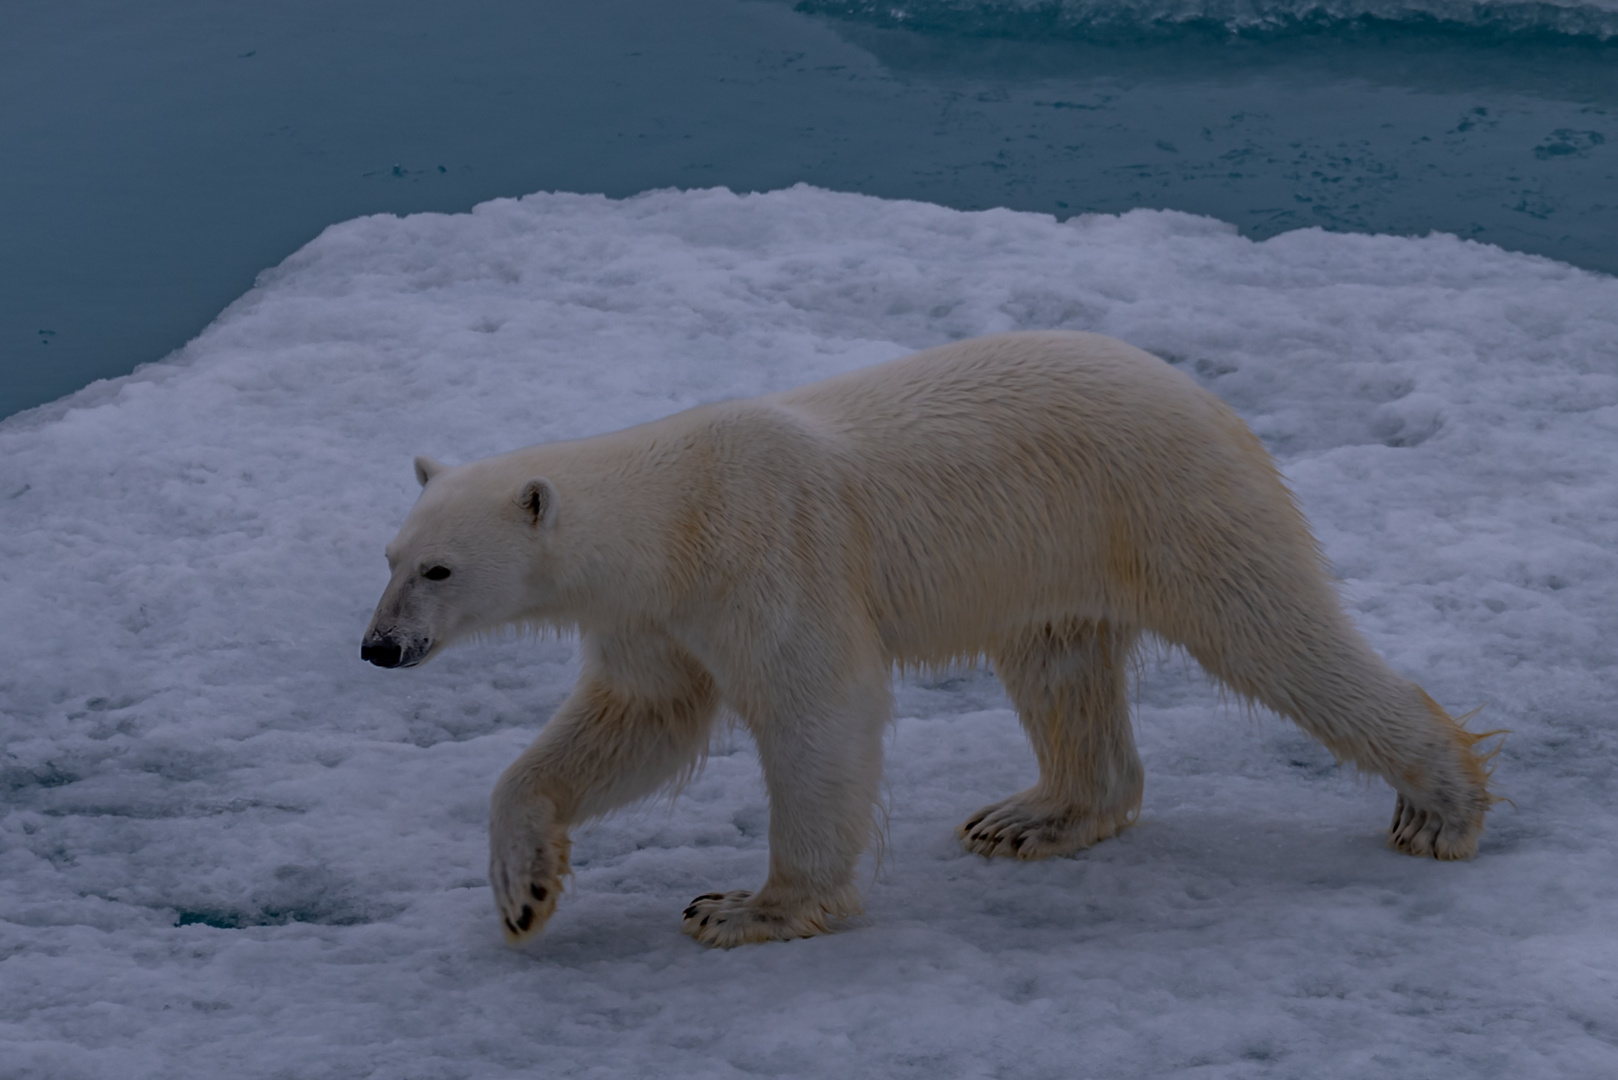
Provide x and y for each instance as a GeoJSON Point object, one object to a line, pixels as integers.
{"type": "Point", "coordinates": [386, 654]}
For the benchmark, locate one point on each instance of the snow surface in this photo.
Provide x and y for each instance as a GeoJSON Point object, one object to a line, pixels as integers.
{"type": "Point", "coordinates": [228, 848]}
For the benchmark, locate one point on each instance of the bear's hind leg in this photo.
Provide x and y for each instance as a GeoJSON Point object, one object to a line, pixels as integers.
{"type": "Point", "coordinates": [1314, 667]}
{"type": "Point", "coordinates": [1069, 683]}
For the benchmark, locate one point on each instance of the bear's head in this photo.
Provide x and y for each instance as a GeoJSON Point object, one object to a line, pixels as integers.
{"type": "Point", "coordinates": [472, 555]}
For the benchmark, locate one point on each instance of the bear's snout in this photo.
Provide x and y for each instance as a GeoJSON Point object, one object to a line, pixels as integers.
{"type": "Point", "coordinates": [382, 653]}
{"type": "Point", "coordinates": [386, 650]}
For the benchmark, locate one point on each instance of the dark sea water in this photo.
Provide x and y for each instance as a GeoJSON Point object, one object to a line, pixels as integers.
{"type": "Point", "coordinates": [154, 157]}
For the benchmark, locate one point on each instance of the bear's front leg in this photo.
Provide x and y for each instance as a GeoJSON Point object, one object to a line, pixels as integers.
{"type": "Point", "coordinates": [528, 852]}
{"type": "Point", "coordinates": [637, 719]}
{"type": "Point", "coordinates": [823, 769]}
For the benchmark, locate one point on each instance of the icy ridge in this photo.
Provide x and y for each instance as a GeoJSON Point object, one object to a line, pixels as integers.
{"type": "Point", "coordinates": [1591, 19]}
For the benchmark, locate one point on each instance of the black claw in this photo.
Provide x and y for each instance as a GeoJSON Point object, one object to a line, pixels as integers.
{"type": "Point", "coordinates": [691, 912]}
{"type": "Point", "coordinates": [538, 892]}
{"type": "Point", "coordinates": [526, 919]}
{"type": "Point", "coordinates": [705, 919]}
{"type": "Point", "coordinates": [712, 896]}
{"type": "Point", "coordinates": [510, 925]}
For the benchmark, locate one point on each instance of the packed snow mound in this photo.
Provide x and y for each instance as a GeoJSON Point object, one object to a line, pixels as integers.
{"type": "Point", "coordinates": [228, 847]}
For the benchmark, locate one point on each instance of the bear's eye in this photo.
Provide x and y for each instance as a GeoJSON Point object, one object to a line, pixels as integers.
{"type": "Point", "coordinates": [435, 573]}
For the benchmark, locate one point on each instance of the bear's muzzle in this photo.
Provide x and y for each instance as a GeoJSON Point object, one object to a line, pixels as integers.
{"type": "Point", "coordinates": [387, 654]}
{"type": "Point", "coordinates": [386, 651]}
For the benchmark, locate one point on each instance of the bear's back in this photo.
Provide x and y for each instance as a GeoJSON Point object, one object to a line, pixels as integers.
{"type": "Point", "coordinates": [992, 387]}
{"type": "Point", "coordinates": [1011, 478]}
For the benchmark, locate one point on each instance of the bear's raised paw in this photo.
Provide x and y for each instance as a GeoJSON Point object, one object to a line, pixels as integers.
{"type": "Point", "coordinates": [526, 866]}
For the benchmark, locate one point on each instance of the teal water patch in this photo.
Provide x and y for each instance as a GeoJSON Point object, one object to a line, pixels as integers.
{"type": "Point", "coordinates": [160, 156]}
{"type": "Point", "coordinates": [1360, 129]}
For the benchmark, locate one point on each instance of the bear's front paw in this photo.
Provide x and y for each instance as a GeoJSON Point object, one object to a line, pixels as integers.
{"type": "Point", "coordinates": [528, 857]}
{"type": "Point", "coordinates": [1023, 828]}
{"type": "Point", "coordinates": [736, 918]}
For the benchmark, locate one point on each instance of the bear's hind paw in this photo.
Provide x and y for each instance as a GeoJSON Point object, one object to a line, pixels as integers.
{"type": "Point", "coordinates": [1021, 828]}
{"type": "Point", "coordinates": [725, 920]}
{"type": "Point", "coordinates": [1417, 831]}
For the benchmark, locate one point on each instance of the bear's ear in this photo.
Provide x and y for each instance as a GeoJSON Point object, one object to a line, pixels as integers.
{"type": "Point", "coordinates": [538, 498]}
{"type": "Point", "coordinates": [426, 469]}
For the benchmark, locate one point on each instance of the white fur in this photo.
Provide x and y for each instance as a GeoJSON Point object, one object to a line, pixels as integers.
{"type": "Point", "coordinates": [1041, 499]}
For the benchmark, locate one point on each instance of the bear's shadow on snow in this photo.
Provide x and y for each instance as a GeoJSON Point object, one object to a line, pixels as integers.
{"type": "Point", "coordinates": [1225, 875]}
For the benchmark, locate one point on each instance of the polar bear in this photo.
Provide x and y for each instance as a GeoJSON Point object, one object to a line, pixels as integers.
{"type": "Point", "coordinates": [1039, 499]}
